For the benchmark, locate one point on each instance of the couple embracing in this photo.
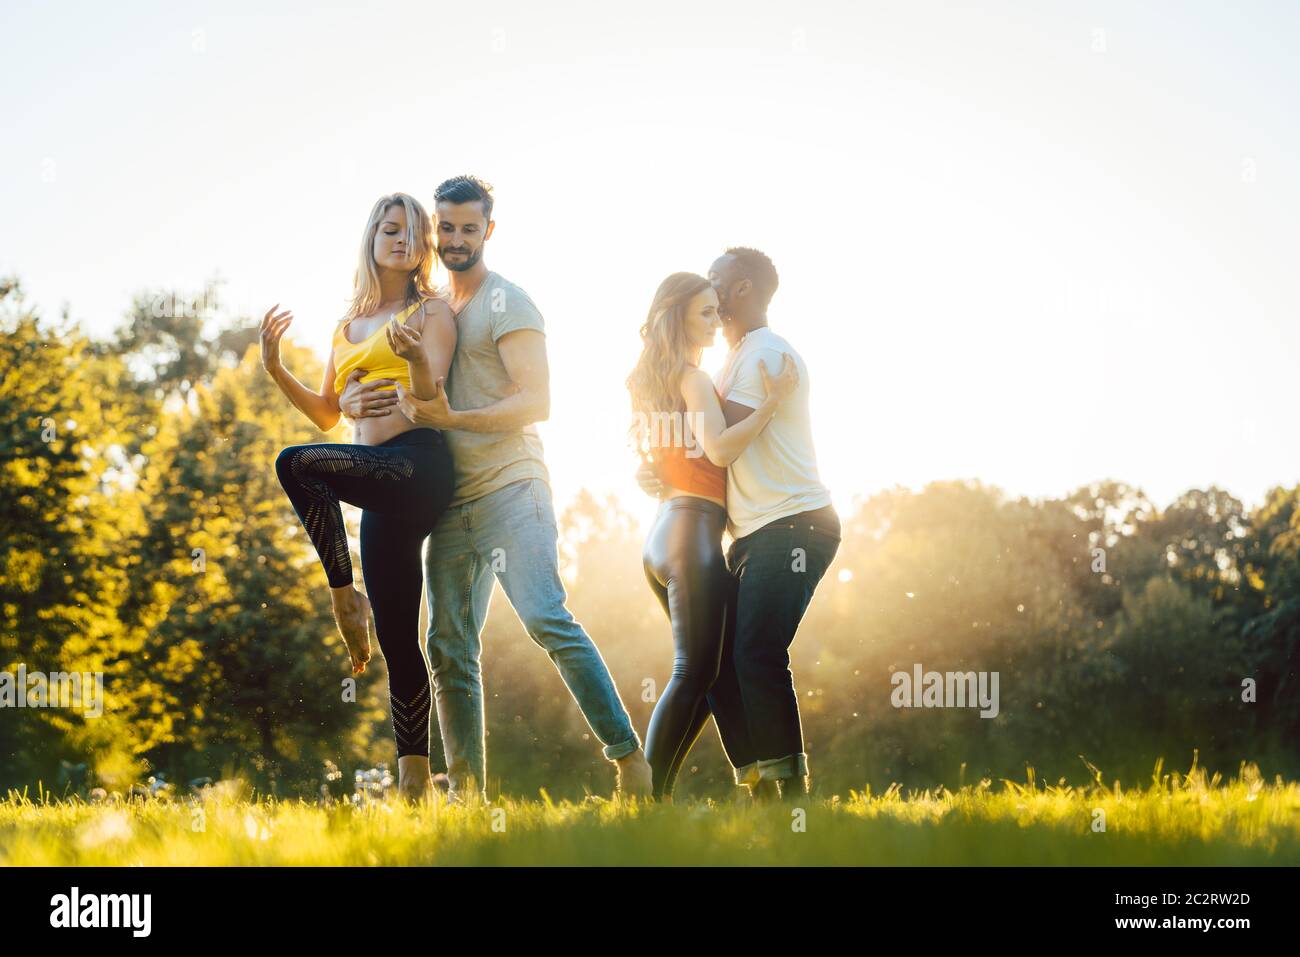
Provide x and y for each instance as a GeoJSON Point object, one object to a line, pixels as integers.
{"type": "Point", "coordinates": [444, 387]}
{"type": "Point", "coordinates": [733, 616]}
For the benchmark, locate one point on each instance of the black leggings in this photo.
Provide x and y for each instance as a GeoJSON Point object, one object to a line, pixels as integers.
{"type": "Point", "coordinates": [688, 573]}
{"type": "Point", "coordinates": [402, 486]}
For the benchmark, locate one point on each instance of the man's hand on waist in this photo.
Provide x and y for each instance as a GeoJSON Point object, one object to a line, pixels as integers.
{"type": "Point", "coordinates": [435, 413]}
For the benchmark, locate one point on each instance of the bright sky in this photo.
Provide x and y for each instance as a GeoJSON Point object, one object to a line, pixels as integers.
{"type": "Point", "coordinates": [1032, 247]}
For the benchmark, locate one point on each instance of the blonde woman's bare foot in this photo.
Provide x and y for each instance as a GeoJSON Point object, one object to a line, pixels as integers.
{"type": "Point", "coordinates": [415, 791]}
{"type": "Point", "coordinates": [413, 783]}
{"type": "Point", "coordinates": [352, 615]}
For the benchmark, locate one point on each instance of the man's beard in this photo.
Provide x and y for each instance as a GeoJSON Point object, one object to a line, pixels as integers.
{"type": "Point", "coordinates": [461, 266]}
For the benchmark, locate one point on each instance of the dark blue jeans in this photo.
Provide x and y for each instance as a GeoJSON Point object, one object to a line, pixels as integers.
{"type": "Point", "coordinates": [753, 701]}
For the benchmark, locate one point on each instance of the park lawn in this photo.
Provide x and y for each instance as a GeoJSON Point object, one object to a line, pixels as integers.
{"type": "Point", "coordinates": [1176, 820]}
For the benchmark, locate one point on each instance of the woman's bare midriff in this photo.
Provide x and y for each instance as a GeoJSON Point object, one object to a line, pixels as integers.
{"type": "Point", "coordinates": [381, 428]}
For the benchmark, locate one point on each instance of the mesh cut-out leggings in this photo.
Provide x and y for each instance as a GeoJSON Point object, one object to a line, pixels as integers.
{"type": "Point", "coordinates": [402, 486]}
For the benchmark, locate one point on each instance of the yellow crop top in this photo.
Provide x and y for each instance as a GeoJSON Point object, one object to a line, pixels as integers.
{"type": "Point", "coordinates": [372, 354]}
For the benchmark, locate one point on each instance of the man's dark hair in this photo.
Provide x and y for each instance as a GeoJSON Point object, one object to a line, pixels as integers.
{"type": "Point", "coordinates": [758, 269]}
{"type": "Point", "coordinates": [465, 189]}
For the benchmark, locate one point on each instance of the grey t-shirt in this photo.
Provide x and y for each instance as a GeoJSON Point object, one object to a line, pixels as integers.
{"type": "Point", "coordinates": [487, 461]}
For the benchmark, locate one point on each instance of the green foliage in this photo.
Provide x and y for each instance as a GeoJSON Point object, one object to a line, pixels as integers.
{"type": "Point", "coordinates": [244, 647]}
{"type": "Point", "coordinates": [143, 534]}
{"type": "Point", "coordinates": [66, 521]}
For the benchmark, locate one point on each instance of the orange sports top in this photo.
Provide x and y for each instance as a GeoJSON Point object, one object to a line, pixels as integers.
{"type": "Point", "coordinates": [690, 473]}
{"type": "Point", "coordinates": [372, 354]}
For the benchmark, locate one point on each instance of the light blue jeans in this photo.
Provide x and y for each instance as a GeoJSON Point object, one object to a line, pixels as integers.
{"type": "Point", "coordinates": [510, 534]}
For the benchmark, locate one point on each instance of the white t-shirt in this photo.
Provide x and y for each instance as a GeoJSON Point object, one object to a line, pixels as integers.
{"type": "Point", "coordinates": [776, 476]}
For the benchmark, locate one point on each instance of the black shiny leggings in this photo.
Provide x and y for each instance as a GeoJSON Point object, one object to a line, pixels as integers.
{"type": "Point", "coordinates": [687, 570]}
{"type": "Point", "coordinates": [403, 486]}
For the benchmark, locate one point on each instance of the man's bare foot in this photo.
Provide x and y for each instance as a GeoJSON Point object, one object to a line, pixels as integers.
{"type": "Point", "coordinates": [352, 615]}
{"type": "Point", "coordinates": [764, 791]}
{"type": "Point", "coordinates": [793, 788]}
{"type": "Point", "coordinates": [441, 782]}
{"type": "Point", "coordinates": [634, 777]}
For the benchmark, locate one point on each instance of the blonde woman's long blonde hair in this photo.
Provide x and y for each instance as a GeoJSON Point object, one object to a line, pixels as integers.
{"type": "Point", "coordinates": [655, 382]}
{"type": "Point", "coordinates": [366, 294]}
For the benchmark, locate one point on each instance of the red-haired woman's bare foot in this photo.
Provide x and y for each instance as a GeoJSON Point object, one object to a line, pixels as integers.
{"type": "Point", "coordinates": [352, 615]}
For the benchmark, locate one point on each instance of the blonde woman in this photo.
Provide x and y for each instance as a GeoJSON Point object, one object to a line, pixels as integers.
{"type": "Point", "coordinates": [683, 559]}
{"type": "Point", "coordinates": [400, 475]}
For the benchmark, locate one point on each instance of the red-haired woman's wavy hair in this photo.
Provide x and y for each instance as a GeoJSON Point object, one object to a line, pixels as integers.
{"type": "Point", "coordinates": [655, 382]}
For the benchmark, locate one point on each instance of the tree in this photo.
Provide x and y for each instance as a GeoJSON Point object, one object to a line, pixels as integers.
{"type": "Point", "coordinates": [65, 519]}
{"type": "Point", "coordinates": [241, 639]}
{"type": "Point", "coordinates": [1271, 572]}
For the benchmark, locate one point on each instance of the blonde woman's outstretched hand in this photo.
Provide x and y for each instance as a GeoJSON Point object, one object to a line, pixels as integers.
{"type": "Point", "coordinates": [273, 327]}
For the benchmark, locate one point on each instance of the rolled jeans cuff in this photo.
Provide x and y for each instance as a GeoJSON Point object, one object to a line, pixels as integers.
{"type": "Point", "coordinates": [781, 769]}
{"type": "Point", "coordinates": [615, 751]}
{"type": "Point", "coordinates": [747, 775]}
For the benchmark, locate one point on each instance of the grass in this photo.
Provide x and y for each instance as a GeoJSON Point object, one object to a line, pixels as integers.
{"type": "Point", "coordinates": [1190, 819]}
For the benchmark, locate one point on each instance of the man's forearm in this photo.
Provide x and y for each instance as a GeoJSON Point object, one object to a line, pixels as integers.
{"type": "Point", "coordinates": [511, 413]}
